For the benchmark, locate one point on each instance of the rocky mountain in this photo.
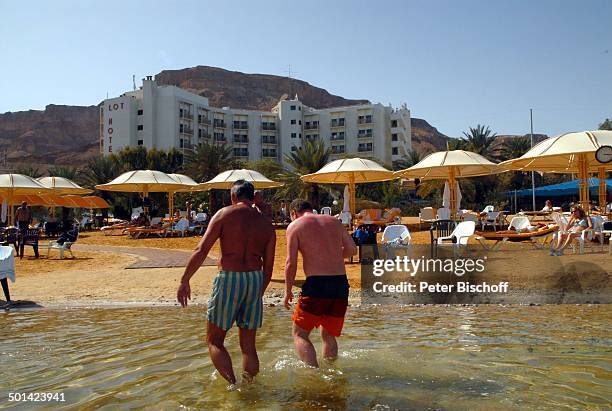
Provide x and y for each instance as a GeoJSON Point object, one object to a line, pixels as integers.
{"type": "Point", "coordinates": [68, 135]}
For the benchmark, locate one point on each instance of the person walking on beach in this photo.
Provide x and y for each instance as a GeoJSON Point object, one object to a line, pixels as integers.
{"type": "Point", "coordinates": [245, 270]}
{"type": "Point", "coordinates": [323, 243]}
{"type": "Point", "coordinates": [23, 216]}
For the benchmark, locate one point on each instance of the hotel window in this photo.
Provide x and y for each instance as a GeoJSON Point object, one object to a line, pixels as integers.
{"type": "Point", "coordinates": [393, 123]}
{"type": "Point", "coordinates": [394, 137]}
{"type": "Point", "coordinates": [293, 135]}
{"type": "Point", "coordinates": [181, 144]}
{"type": "Point", "coordinates": [293, 148]}
{"type": "Point", "coordinates": [300, 122]}
{"type": "Point", "coordinates": [140, 112]}
{"type": "Point", "coordinates": [140, 142]}
{"type": "Point", "coordinates": [293, 108]}
{"type": "Point", "coordinates": [292, 121]}
{"type": "Point", "coordinates": [395, 151]}
{"type": "Point", "coordinates": [180, 128]}
{"type": "Point", "coordinates": [140, 127]}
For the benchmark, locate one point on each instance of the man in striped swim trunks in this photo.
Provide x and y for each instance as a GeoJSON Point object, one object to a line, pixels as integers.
{"type": "Point", "coordinates": [323, 243]}
{"type": "Point", "coordinates": [247, 257]}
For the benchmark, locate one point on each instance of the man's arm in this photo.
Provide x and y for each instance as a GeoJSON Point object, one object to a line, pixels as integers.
{"type": "Point", "coordinates": [290, 264]}
{"type": "Point", "coordinates": [268, 261]}
{"type": "Point", "coordinates": [348, 244]}
{"type": "Point", "coordinates": [197, 258]}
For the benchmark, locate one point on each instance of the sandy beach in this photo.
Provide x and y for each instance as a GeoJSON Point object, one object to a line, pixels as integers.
{"type": "Point", "coordinates": [99, 273]}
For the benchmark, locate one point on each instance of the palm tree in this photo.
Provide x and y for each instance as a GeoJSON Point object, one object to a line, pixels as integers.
{"type": "Point", "coordinates": [100, 170]}
{"type": "Point", "coordinates": [206, 162]}
{"type": "Point", "coordinates": [309, 158]}
{"type": "Point", "coordinates": [411, 158]}
{"type": "Point", "coordinates": [457, 144]}
{"type": "Point", "coordinates": [29, 171]}
{"type": "Point", "coordinates": [481, 140]}
{"type": "Point", "coordinates": [515, 147]}
{"type": "Point", "coordinates": [63, 171]}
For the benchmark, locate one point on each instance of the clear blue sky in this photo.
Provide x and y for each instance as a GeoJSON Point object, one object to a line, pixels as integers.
{"type": "Point", "coordinates": [455, 63]}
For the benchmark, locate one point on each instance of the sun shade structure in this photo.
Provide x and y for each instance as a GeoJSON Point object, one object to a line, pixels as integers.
{"type": "Point", "coordinates": [225, 180]}
{"type": "Point", "coordinates": [568, 153]}
{"type": "Point", "coordinates": [15, 184]}
{"type": "Point", "coordinates": [450, 165]}
{"type": "Point", "coordinates": [61, 185]}
{"type": "Point", "coordinates": [350, 171]}
{"type": "Point", "coordinates": [142, 181]}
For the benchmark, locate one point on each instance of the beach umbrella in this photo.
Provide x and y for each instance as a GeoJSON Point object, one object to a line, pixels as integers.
{"type": "Point", "coordinates": [350, 171]}
{"type": "Point", "coordinates": [446, 196]}
{"type": "Point", "coordinates": [568, 153]}
{"type": "Point", "coordinates": [61, 185]}
{"type": "Point", "coordinates": [142, 181]}
{"type": "Point", "coordinates": [225, 180]}
{"type": "Point", "coordinates": [450, 165]}
{"type": "Point", "coordinates": [15, 184]}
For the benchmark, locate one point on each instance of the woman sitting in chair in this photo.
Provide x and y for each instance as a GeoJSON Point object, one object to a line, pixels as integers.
{"type": "Point", "coordinates": [576, 225]}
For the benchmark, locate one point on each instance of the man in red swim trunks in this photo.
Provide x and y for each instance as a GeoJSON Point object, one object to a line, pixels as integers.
{"type": "Point", "coordinates": [323, 243]}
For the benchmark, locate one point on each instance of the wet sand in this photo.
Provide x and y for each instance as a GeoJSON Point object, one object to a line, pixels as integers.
{"type": "Point", "coordinates": [101, 277]}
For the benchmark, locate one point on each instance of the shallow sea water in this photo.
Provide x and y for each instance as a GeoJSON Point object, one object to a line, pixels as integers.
{"type": "Point", "coordinates": [414, 357]}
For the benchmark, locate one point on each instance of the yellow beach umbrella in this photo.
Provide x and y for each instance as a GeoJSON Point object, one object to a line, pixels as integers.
{"type": "Point", "coordinates": [450, 165]}
{"type": "Point", "coordinates": [15, 184]}
{"type": "Point", "coordinates": [225, 180]}
{"type": "Point", "coordinates": [569, 153]}
{"type": "Point", "coordinates": [61, 185]}
{"type": "Point", "coordinates": [350, 171]}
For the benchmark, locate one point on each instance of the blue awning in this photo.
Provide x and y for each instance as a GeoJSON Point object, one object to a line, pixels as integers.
{"type": "Point", "coordinates": [562, 189]}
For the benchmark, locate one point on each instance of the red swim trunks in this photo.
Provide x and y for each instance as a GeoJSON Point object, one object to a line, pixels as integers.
{"type": "Point", "coordinates": [322, 302]}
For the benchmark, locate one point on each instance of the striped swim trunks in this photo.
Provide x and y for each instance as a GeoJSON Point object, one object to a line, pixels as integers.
{"type": "Point", "coordinates": [236, 296]}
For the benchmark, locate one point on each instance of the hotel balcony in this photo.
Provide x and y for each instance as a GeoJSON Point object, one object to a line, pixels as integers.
{"type": "Point", "coordinates": [337, 138]}
{"type": "Point", "coordinates": [265, 140]}
{"type": "Point", "coordinates": [204, 121]}
{"type": "Point", "coordinates": [242, 140]}
{"type": "Point", "coordinates": [268, 127]}
{"type": "Point", "coordinates": [240, 125]}
{"type": "Point", "coordinates": [218, 123]}
{"type": "Point", "coordinates": [337, 122]}
{"type": "Point", "coordinates": [186, 116]}
{"type": "Point", "coordinates": [364, 120]}
{"type": "Point", "coordinates": [311, 126]}
{"type": "Point", "coordinates": [364, 135]}
{"type": "Point", "coordinates": [186, 130]}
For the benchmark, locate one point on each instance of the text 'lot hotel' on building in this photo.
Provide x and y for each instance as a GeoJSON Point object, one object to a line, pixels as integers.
{"type": "Point", "coordinates": [164, 117]}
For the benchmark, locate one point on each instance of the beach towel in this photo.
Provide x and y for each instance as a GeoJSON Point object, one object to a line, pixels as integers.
{"type": "Point", "coordinates": [7, 263]}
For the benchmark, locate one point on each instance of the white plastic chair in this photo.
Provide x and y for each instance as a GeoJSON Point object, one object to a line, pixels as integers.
{"type": "Point", "coordinates": [181, 227]}
{"type": "Point", "coordinates": [520, 224]}
{"type": "Point", "coordinates": [493, 218]}
{"type": "Point", "coordinates": [394, 237]}
{"type": "Point", "coordinates": [443, 213]}
{"type": "Point", "coordinates": [326, 211]}
{"type": "Point", "coordinates": [488, 209]}
{"type": "Point", "coordinates": [66, 246]}
{"type": "Point", "coordinates": [460, 235]}
{"type": "Point", "coordinates": [201, 217]}
{"type": "Point", "coordinates": [155, 221]}
{"type": "Point", "coordinates": [315, 212]}
{"type": "Point", "coordinates": [426, 215]}
{"type": "Point", "coordinates": [345, 218]}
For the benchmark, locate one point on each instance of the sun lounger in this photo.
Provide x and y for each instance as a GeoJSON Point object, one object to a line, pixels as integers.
{"type": "Point", "coordinates": [537, 236]}
{"type": "Point", "coordinates": [138, 232]}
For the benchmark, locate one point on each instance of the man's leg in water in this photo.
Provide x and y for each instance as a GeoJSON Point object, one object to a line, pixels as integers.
{"type": "Point", "coordinates": [304, 347]}
{"type": "Point", "coordinates": [250, 361]}
{"type": "Point", "coordinates": [221, 359]}
{"type": "Point", "coordinates": [330, 346]}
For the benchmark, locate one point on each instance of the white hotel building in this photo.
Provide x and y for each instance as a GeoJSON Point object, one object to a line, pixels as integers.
{"type": "Point", "coordinates": [163, 117]}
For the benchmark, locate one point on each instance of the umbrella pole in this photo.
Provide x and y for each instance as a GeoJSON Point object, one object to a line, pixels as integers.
{"type": "Point", "coordinates": [583, 176]}
{"type": "Point", "coordinates": [352, 197]}
{"type": "Point", "coordinates": [171, 210]}
{"type": "Point", "coordinates": [602, 188]}
{"type": "Point", "coordinates": [452, 186]}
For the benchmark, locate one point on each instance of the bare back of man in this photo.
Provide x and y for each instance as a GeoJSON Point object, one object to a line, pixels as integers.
{"type": "Point", "coordinates": [247, 258]}
{"type": "Point", "coordinates": [323, 243]}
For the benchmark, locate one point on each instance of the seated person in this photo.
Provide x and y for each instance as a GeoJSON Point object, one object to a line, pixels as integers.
{"type": "Point", "coordinates": [141, 220]}
{"type": "Point", "coordinates": [360, 235]}
{"type": "Point", "coordinates": [548, 206]}
{"type": "Point", "coordinates": [576, 225]}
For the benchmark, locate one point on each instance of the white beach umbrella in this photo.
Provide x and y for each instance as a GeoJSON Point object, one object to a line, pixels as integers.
{"type": "Point", "coordinates": [568, 153]}
{"type": "Point", "coordinates": [350, 171]}
{"type": "Point", "coordinates": [450, 165]}
{"type": "Point", "coordinates": [446, 196]}
{"type": "Point", "coordinates": [15, 184]}
{"type": "Point", "coordinates": [62, 185]}
{"type": "Point", "coordinates": [225, 180]}
{"type": "Point", "coordinates": [142, 181]}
